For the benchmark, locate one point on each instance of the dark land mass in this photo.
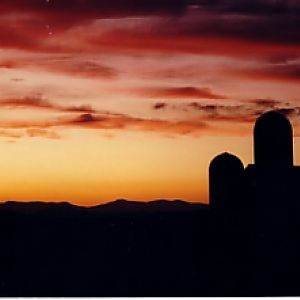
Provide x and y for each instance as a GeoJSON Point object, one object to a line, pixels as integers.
{"type": "Point", "coordinates": [124, 248]}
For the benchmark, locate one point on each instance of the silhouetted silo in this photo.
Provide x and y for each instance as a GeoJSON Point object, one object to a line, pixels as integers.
{"type": "Point", "coordinates": [226, 173]}
{"type": "Point", "coordinates": [273, 141]}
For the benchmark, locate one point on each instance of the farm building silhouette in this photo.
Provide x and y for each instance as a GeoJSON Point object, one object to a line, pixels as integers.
{"type": "Point", "coordinates": [270, 184]}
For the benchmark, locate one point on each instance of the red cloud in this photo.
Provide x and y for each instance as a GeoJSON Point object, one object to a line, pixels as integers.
{"type": "Point", "coordinates": [108, 121]}
{"type": "Point", "coordinates": [159, 39]}
{"type": "Point", "coordinates": [128, 122]}
{"type": "Point", "coordinates": [214, 119]}
{"type": "Point", "coordinates": [62, 64]}
{"type": "Point", "coordinates": [276, 72]}
{"type": "Point", "coordinates": [219, 31]}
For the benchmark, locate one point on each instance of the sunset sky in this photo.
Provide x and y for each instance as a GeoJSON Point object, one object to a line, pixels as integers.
{"type": "Point", "coordinates": [132, 98]}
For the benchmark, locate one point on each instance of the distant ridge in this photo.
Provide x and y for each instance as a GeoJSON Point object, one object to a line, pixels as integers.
{"type": "Point", "coordinates": [118, 206]}
{"type": "Point", "coordinates": [160, 205]}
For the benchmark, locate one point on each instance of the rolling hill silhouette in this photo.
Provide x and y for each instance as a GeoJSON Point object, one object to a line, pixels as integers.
{"type": "Point", "coordinates": [121, 248]}
{"type": "Point", "coordinates": [119, 206]}
{"type": "Point", "coordinates": [34, 206]}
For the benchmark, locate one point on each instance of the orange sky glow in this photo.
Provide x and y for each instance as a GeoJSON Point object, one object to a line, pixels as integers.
{"type": "Point", "coordinates": [100, 101]}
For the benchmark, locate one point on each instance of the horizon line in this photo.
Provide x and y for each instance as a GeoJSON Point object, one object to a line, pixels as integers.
{"type": "Point", "coordinates": [167, 200]}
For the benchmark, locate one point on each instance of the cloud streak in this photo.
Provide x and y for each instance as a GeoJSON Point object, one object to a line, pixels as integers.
{"type": "Point", "coordinates": [38, 102]}
{"type": "Point", "coordinates": [242, 112]}
{"type": "Point", "coordinates": [17, 133]}
{"type": "Point", "coordinates": [285, 72]}
{"type": "Point", "coordinates": [200, 119]}
{"type": "Point", "coordinates": [68, 65]}
{"type": "Point", "coordinates": [109, 122]}
{"type": "Point", "coordinates": [181, 92]}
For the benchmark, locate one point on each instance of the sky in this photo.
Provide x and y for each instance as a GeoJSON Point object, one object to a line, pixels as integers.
{"type": "Point", "coordinates": [132, 99]}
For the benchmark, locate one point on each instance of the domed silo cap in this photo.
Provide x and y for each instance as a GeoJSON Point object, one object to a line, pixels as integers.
{"type": "Point", "coordinates": [273, 140]}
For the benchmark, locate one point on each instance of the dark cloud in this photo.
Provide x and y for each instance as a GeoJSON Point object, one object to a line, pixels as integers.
{"type": "Point", "coordinates": [181, 92]}
{"type": "Point", "coordinates": [81, 109]}
{"type": "Point", "coordinates": [268, 27]}
{"type": "Point", "coordinates": [86, 118]}
{"type": "Point", "coordinates": [121, 7]}
{"type": "Point", "coordinates": [94, 8]}
{"type": "Point", "coordinates": [266, 103]}
{"type": "Point", "coordinates": [243, 112]}
{"type": "Point", "coordinates": [185, 25]}
{"type": "Point", "coordinates": [210, 108]}
{"type": "Point", "coordinates": [251, 6]}
{"type": "Point", "coordinates": [159, 105]}
{"type": "Point", "coordinates": [290, 112]}
{"type": "Point", "coordinates": [273, 22]}
{"type": "Point", "coordinates": [228, 113]}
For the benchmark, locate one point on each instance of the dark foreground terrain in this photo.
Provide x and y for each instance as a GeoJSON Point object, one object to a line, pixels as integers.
{"type": "Point", "coordinates": [136, 249]}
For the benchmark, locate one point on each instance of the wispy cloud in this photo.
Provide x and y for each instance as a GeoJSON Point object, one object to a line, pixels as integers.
{"type": "Point", "coordinates": [283, 71]}
{"type": "Point", "coordinates": [115, 121]}
{"type": "Point", "coordinates": [180, 92]}
{"type": "Point", "coordinates": [17, 133]}
{"type": "Point", "coordinates": [242, 112]}
{"type": "Point", "coordinates": [75, 67]}
{"type": "Point", "coordinates": [201, 119]}
{"type": "Point", "coordinates": [38, 102]}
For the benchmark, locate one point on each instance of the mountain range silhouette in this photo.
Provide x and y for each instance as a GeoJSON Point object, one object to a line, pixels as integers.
{"type": "Point", "coordinates": [121, 248]}
{"type": "Point", "coordinates": [119, 206]}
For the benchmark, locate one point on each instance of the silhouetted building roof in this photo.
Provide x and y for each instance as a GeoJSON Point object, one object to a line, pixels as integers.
{"type": "Point", "coordinates": [269, 181]}
{"type": "Point", "coordinates": [225, 173]}
{"type": "Point", "coordinates": [273, 141]}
